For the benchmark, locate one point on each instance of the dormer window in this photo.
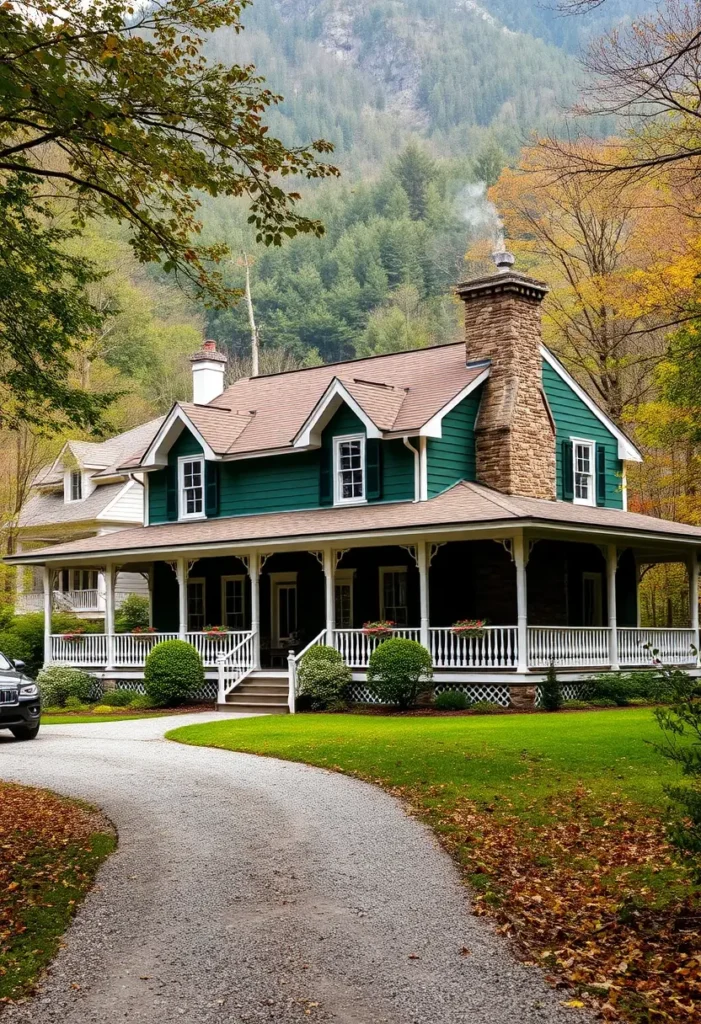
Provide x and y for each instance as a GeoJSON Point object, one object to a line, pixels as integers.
{"type": "Point", "coordinates": [74, 486]}
{"type": "Point", "coordinates": [583, 469]}
{"type": "Point", "coordinates": [191, 488]}
{"type": "Point", "coordinates": [349, 469]}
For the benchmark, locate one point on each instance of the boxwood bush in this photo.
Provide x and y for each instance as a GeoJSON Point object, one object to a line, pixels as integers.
{"type": "Point", "coordinates": [173, 673]}
{"type": "Point", "coordinates": [119, 698]}
{"type": "Point", "coordinates": [58, 683]}
{"type": "Point", "coordinates": [323, 678]}
{"type": "Point", "coordinates": [398, 671]}
{"type": "Point", "coordinates": [451, 700]}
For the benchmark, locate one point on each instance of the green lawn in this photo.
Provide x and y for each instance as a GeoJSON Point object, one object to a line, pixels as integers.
{"type": "Point", "coordinates": [514, 756]}
{"type": "Point", "coordinates": [556, 821]}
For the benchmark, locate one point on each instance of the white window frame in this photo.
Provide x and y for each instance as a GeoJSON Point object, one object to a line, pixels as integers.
{"type": "Point", "coordinates": [338, 498]}
{"type": "Point", "coordinates": [384, 569]}
{"type": "Point", "coordinates": [68, 486]}
{"type": "Point", "coordinates": [591, 445]}
{"type": "Point", "coordinates": [203, 581]}
{"type": "Point", "coordinates": [77, 578]}
{"type": "Point", "coordinates": [182, 514]}
{"type": "Point", "coordinates": [344, 578]}
{"type": "Point", "coordinates": [233, 579]}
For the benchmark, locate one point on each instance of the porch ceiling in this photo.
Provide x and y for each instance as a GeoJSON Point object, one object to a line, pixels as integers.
{"type": "Point", "coordinates": [465, 509]}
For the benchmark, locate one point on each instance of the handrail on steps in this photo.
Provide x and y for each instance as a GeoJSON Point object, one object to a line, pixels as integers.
{"type": "Point", "coordinates": [292, 661]}
{"type": "Point", "coordinates": [224, 669]}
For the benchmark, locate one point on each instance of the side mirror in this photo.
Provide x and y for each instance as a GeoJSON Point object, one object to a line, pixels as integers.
{"type": "Point", "coordinates": [19, 665]}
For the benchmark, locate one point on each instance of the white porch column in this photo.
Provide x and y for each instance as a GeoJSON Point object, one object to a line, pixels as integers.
{"type": "Point", "coordinates": [694, 596]}
{"type": "Point", "coordinates": [521, 561]}
{"type": "Point", "coordinates": [330, 593]}
{"type": "Point", "coordinates": [109, 613]}
{"type": "Point", "coordinates": [423, 567]}
{"type": "Point", "coordinates": [47, 575]}
{"type": "Point", "coordinates": [611, 567]}
{"type": "Point", "coordinates": [254, 573]}
{"type": "Point", "coordinates": [181, 575]}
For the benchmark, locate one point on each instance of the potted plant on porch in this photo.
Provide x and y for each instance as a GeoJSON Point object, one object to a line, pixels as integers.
{"type": "Point", "coordinates": [144, 632]}
{"type": "Point", "coordinates": [381, 629]}
{"type": "Point", "coordinates": [469, 629]}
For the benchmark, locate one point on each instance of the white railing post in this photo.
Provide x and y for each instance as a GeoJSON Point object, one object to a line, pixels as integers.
{"type": "Point", "coordinates": [423, 567]}
{"type": "Point", "coordinates": [48, 594]}
{"type": "Point", "coordinates": [330, 593]}
{"type": "Point", "coordinates": [109, 614]}
{"type": "Point", "coordinates": [521, 561]}
{"type": "Point", "coordinates": [181, 574]}
{"type": "Point", "coordinates": [254, 573]}
{"type": "Point", "coordinates": [292, 691]}
{"type": "Point", "coordinates": [611, 567]}
{"type": "Point", "coordinates": [694, 598]}
{"type": "Point", "coordinates": [221, 690]}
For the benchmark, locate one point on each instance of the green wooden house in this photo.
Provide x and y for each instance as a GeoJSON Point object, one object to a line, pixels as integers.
{"type": "Point", "coordinates": [466, 481]}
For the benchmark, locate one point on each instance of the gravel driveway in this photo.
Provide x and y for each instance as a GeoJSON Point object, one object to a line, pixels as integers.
{"type": "Point", "coordinates": [247, 889]}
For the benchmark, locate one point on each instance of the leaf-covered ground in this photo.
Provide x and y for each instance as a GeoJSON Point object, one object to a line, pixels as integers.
{"type": "Point", "coordinates": [50, 850]}
{"type": "Point", "coordinates": [557, 822]}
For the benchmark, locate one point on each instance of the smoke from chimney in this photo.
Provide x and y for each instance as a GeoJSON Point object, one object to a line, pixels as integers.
{"type": "Point", "coordinates": [481, 214]}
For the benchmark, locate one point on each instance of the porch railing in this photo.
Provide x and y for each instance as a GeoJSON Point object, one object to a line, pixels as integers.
{"type": "Point", "coordinates": [356, 647]}
{"type": "Point", "coordinates": [293, 661]}
{"type": "Point", "coordinates": [585, 647]}
{"type": "Point", "coordinates": [85, 649]}
{"type": "Point", "coordinates": [130, 650]}
{"type": "Point", "coordinates": [77, 600]}
{"type": "Point", "coordinates": [674, 646]}
{"type": "Point", "coordinates": [496, 648]}
{"type": "Point", "coordinates": [234, 665]}
{"type": "Point", "coordinates": [211, 649]}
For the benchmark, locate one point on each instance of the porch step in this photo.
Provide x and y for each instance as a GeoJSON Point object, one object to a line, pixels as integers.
{"type": "Point", "coordinates": [253, 708]}
{"type": "Point", "coordinates": [264, 692]}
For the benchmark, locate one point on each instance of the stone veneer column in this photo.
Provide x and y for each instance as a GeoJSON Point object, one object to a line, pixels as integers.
{"type": "Point", "coordinates": [515, 436]}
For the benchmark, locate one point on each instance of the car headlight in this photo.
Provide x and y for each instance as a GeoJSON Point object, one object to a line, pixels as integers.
{"type": "Point", "coordinates": [29, 690]}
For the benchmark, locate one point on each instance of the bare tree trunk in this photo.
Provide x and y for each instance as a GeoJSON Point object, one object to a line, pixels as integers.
{"type": "Point", "coordinates": [252, 320]}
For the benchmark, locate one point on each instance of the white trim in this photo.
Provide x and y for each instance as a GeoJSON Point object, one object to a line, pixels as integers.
{"type": "Point", "coordinates": [147, 499]}
{"type": "Point", "coordinates": [182, 515]}
{"type": "Point", "coordinates": [423, 469]}
{"type": "Point", "coordinates": [68, 486]}
{"type": "Point", "coordinates": [203, 581]}
{"type": "Point", "coordinates": [338, 499]}
{"type": "Point", "coordinates": [434, 426]}
{"type": "Point", "coordinates": [591, 445]}
{"type": "Point", "coordinates": [241, 578]}
{"type": "Point", "coordinates": [384, 569]}
{"type": "Point", "coordinates": [127, 487]}
{"type": "Point", "coordinates": [322, 414]}
{"type": "Point", "coordinates": [170, 430]}
{"type": "Point", "coordinates": [417, 467]}
{"type": "Point", "coordinates": [626, 448]}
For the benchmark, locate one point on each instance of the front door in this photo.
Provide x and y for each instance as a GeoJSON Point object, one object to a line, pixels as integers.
{"type": "Point", "coordinates": [285, 614]}
{"type": "Point", "coordinates": [592, 604]}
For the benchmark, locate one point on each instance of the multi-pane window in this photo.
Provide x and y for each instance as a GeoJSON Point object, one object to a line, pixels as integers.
{"type": "Point", "coordinates": [196, 610]}
{"type": "Point", "coordinates": [583, 452]}
{"type": "Point", "coordinates": [83, 579]}
{"type": "Point", "coordinates": [349, 469]}
{"type": "Point", "coordinates": [233, 602]}
{"type": "Point", "coordinates": [191, 488]}
{"type": "Point", "coordinates": [76, 485]}
{"type": "Point", "coordinates": [287, 612]}
{"type": "Point", "coordinates": [393, 595]}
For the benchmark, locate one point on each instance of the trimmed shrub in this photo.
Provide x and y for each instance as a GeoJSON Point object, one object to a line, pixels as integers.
{"type": "Point", "coordinates": [7, 614]}
{"type": "Point", "coordinates": [173, 673]}
{"type": "Point", "coordinates": [119, 698]}
{"type": "Point", "coordinates": [141, 703]}
{"type": "Point", "coordinates": [76, 704]}
{"type": "Point", "coordinates": [486, 707]}
{"type": "Point", "coordinates": [451, 700]}
{"type": "Point", "coordinates": [398, 670]}
{"type": "Point", "coordinates": [132, 614]}
{"type": "Point", "coordinates": [103, 709]}
{"type": "Point", "coordinates": [550, 693]}
{"type": "Point", "coordinates": [624, 687]}
{"type": "Point", "coordinates": [575, 705]}
{"type": "Point", "coordinates": [323, 678]}
{"type": "Point", "coordinates": [58, 683]}
{"type": "Point", "coordinates": [603, 702]}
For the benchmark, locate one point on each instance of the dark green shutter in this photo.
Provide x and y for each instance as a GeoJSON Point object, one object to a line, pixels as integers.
{"type": "Point", "coordinates": [567, 471]}
{"type": "Point", "coordinates": [373, 469]}
{"type": "Point", "coordinates": [325, 476]}
{"type": "Point", "coordinates": [600, 475]}
{"type": "Point", "coordinates": [211, 489]}
{"type": "Point", "coordinates": [171, 473]}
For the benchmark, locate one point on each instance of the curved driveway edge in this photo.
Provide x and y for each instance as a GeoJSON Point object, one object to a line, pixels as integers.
{"type": "Point", "coordinates": [246, 889]}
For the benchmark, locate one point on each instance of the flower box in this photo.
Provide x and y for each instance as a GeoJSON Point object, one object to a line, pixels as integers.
{"type": "Point", "coordinates": [144, 632]}
{"type": "Point", "coordinates": [215, 632]}
{"type": "Point", "coordinates": [469, 629]}
{"type": "Point", "coordinates": [76, 637]}
{"type": "Point", "coordinates": [381, 630]}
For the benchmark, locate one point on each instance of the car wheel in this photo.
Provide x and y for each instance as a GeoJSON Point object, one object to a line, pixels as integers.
{"type": "Point", "coordinates": [25, 732]}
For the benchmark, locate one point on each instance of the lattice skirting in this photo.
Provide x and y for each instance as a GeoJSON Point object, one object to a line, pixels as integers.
{"type": "Point", "coordinates": [208, 691]}
{"type": "Point", "coordinates": [569, 691]}
{"type": "Point", "coordinates": [359, 693]}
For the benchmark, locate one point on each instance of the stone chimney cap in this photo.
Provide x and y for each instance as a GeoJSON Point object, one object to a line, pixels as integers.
{"type": "Point", "coordinates": [208, 353]}
{"type": "Point", "coordinates": [504, 260]}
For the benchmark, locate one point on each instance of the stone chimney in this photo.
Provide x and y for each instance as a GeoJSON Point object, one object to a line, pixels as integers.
{"type": "Point", "coordinates": [208, 368]}
{"type": "Point", "coordinates": [515, 435]}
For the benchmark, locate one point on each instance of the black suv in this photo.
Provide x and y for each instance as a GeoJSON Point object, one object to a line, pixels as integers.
{"type": "Point", "coordinates": [20, 707]}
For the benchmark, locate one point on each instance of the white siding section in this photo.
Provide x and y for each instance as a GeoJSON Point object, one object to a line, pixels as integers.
{"type": "Point", "coordinates": [129, 583]}
{"type": "Point", "coordinates": [127, 507]}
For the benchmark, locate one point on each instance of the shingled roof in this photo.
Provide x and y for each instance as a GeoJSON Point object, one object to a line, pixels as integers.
{"type": "Point", "coordinates": [104, 456]}
{"type": "Point", "coordinates": [467, 504]}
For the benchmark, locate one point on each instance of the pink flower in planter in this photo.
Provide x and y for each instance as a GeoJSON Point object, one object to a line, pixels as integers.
{"type": "Point", "coordinates": [467, 628]}
{"type": "Point", "coordinates": [381, 628]}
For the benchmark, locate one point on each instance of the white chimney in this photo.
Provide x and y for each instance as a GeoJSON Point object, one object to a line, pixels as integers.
{"type": "Point", "coordinates": [208, 368]}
